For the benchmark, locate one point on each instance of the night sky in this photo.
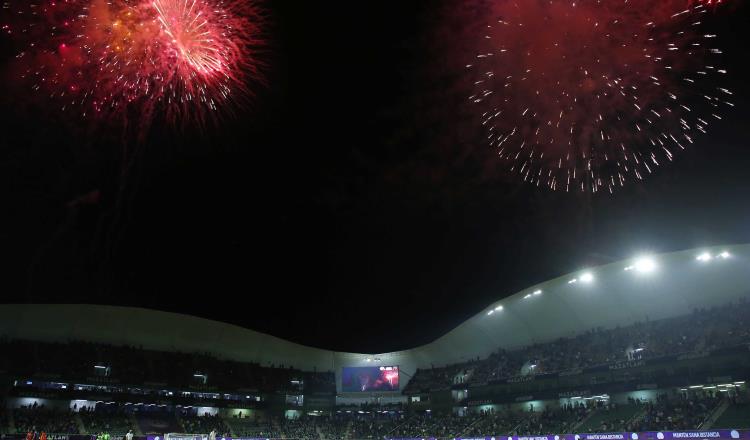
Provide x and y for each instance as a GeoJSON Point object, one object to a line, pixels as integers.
{"type": "Point", "coordinates": [352, 205]}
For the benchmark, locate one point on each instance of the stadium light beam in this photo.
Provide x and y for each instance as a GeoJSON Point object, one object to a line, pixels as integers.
{"type": "Point", "coordinates": [644, 264]}
{"type": "Point", "coordinates": [704, 257]}
{"type": "Point", "coordinates": [587, 277]}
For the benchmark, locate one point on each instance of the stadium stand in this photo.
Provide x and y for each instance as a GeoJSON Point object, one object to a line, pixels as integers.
{"type": "Point", "coordinates": [661, 415]}
{"type": "Point", "coordinates": [157, 422]}
{"type": "Point", "coordinates": [703, 330]}
{"type": "Point", "coordinates": [611, 418]}
{"type": "Point", "coordinates": [105, 418]}
{"type": "Point", "coordinates": [681, 414]}
{"type": "Point", "coordinates": [684, 372]}
{"type": "Point", "coordinates": [204, 424]}
{"type": "Point", "coordinates": [736, 416]}
{"type": "Point", "coordinates": [39, 418]}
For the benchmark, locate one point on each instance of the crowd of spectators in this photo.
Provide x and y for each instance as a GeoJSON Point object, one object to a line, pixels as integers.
{"type": "Point", "coordinates": [204, 424]}
{"type": "Point", "coordinates": [138, 366]}
{"type": "Point", "coordinates": [703, 330]}
{"type": "Point", "coordinates": [38, 418]}
{"type": "Point", "coordinates": [106, 418]}
{"type": "Point", "coordinates": [677, 414]}
{"type": "Point", "coordinates": [253, 427]}
{"type": "Point", "coordinates": [557, 420]}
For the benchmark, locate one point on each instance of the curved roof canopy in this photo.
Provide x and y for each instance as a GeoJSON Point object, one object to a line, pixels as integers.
{"type": "Point", "coordinates": [646, 288]}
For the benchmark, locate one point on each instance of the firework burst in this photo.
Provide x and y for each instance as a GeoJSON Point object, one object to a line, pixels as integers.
{"type": "Point", "coordinates": [186, 61]}
{"type": "Point", "coordinates": [589, 95]}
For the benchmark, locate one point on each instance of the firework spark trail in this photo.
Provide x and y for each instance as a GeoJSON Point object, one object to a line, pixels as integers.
{"type": "Point", "coordinates": [589, 95]}
{"type": "Point", "coordinates": [182, 60]}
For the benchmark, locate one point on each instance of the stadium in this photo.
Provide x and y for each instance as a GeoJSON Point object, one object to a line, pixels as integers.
{"type": "Point", "coordinates": [653, 347]}
{"type": "Point", "coordinates": [374, 220]}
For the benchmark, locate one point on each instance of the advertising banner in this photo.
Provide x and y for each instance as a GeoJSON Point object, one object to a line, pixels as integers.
{"type": "Point", "coordinates": [717, 434]}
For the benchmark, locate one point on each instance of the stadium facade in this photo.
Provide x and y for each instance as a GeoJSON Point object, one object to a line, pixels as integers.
{"type": "Point", "coordinates": [622, 293]}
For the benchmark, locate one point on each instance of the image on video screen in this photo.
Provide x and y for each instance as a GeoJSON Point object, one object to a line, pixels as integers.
{"type": "Point", "coordinates": [361, 379]}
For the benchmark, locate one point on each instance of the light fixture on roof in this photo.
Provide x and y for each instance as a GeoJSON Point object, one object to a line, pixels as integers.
{"type": "Point", "coordinates": [587, 277]}
{"type": "Point", "coordinates": [537, 292]}
{"type": "Point", "coordinates": [574, 280]}
{"type": "Point", "coordinates": [498, 308]}
{"type": "Point", "coordinates": [490, 312]}
{"type": "Point", "coordinates": [704, 257]}
{"type": "Point", "coordinates": [644, 264]}
{"type": "Point", "coordinates": [368, 360]}
{"type": "Point", "coordinates": [725, 255]}
{"type": "Point", "coordinates": [527, 296]}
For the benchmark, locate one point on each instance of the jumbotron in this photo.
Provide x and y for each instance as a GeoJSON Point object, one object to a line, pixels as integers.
{"type": "Point", "coordinates": [652, 348]}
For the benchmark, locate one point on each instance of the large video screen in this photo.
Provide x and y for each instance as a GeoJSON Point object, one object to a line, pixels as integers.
{"type": "Point", "coordinates": [363, 379]}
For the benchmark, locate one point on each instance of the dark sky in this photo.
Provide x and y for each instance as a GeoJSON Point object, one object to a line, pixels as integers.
{"type": "Point", "coordinates": [353, 206]}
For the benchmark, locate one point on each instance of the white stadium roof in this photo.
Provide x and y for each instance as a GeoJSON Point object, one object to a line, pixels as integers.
{"type": "Point", "coordinates": [644, 288]}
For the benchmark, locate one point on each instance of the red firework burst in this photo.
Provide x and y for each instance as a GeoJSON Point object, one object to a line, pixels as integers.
{"type": "Point", "coordinates": [587, 95]}
{"type": "Point", "coordinates": [183, 60]}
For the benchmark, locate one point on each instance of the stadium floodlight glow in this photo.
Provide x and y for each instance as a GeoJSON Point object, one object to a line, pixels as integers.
{"type": "Point", "coordinates": [490, 312]}
{"type": "Point", "coordinates": [725, 255]}
{"type": "Point", "coordinates": [537, 292]}
{"type": "Point", "coordinates": [527, 296]}
{"type": "Point", "coordinates": [644, 264]}
{"type": "Point", "coordinates": [704, 257]}
{"type": "Point", "coordinates": [498, 308]}
{"type": "Point", "coordinates": [696, 386]}
{"type": "Point", "coordinates": [574, 280]}
{"type": "Point", "coordinates": [740, 382]}
{"type": "Point", "coordinates": [368, 360]}
{"type": "Point", "coordinates": [587, 277]}
{"type": "Point", "coordinates": [101, 367]}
